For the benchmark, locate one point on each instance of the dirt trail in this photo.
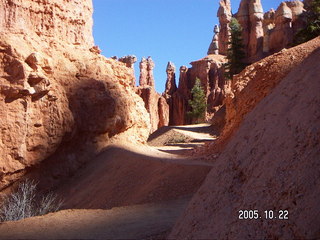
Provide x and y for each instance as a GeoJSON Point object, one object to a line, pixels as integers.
{"type": "Point", "coordinates": [124, 175]}
{"type": "Point", "coordinates": [134, 222]}
{"type": "Point", "coordinates": [144, 187]}
{"type": "Point", "coordinates": [182, 139]}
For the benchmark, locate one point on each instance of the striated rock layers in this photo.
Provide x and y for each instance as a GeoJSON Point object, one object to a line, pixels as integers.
{"type": "Point", "coordinates": [62, 20]}
{"type": "Point", "coordinates": [262, 33]}
{"type": "Point", "coordinates": [155, 104]}
{"type": "Point", "coordinates": [209, 70]}
{"type": "Point", "coordinates": [61, 102]}
{"type": "Point", "coordinates": [272, 162]}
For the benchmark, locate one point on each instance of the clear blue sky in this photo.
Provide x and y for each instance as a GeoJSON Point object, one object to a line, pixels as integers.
{"type": "Point", "coordinates": [167, 30]}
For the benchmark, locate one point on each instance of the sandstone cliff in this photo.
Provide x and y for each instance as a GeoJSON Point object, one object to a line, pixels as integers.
{"type": "Point", "coordinates": [61, 20]}
{"type": "Point", "coordinates": [262, 33]}
{"type": "Point", "coordinates": [210, 71]}
{"type": "Point", "coordinates": [271, 162]}
{"type": "Point", "coordinates": [61, 102]}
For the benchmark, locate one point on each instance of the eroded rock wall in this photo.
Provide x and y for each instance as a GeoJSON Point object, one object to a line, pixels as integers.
{"type": "Point", "coordinates": [61, 101]}
{"type": "Point", "coordinates": [155, 104]}
{"type": "Point", "coordinates": [262, 33]}
{"type": "Point", "coordinates": [224, 15]}
{"type": "Point", "coordinates": [210, 72]}
{"type": "Point", "coordinates": [64, 20]}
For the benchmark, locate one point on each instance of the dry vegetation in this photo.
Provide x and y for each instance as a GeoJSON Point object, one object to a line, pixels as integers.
{"type": "Point", "coordinates": [26, 202]}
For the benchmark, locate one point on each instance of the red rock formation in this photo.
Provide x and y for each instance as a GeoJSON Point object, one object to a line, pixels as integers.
{"type": "Point", "coordinates": [282, 34]}
{"type": "Point", "coordinates": [209, 71]}
{"type": "Point", "coordinates": [268, 25]}
{"type": "Point", "coordinates": [250, 16]}
{"type": "Point", "coordinates": [143, 65]}
{"type": "Point", "coordinates": [178, 101]}
{"type": "Point", "coordinates": [184, 86]}
{"type": "Point", "coordinates": [214, 46]}
{"type": "Point", "coordinates": [171, 86]}
{"type": "Point", "coordinates": [281, 26]}
{"type": "Point", "coordinates": [179, 109]}
{"type": "Point", "coordinates": [255, 47]}
{"type": "Point", "coordinates": [146, 72]}
{"type": "Point", "coordinates": [262, 34]}
{"type": "Point", "coordinates": [60, 102]}
{"type": "Point", "coordinates": [163, 110]}
{"type": "Point", "coordinates": [151, 99]}
{"type": "Point", "coordinates": [62, 20]}
{"type": "Point", "coordinates": [151, 66]}
{"type": "Point", "coordinates": [224, 15]}
{"type": "Point", "coordinates": [243, 18]}
{"type": "Point", "coordinates": [129, 62]}
{"type": "Point", "coordinates": [155, 104]}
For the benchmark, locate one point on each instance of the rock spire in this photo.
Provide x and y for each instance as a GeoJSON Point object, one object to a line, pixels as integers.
{"type": "Point", "coordinates": [224, 15]}
{"type": "Point", "coordinates": [146, 72]}
{"type": "Point", "coordinates": [214, 46]}
{"type": "Point", "coordinates": [171, 86]}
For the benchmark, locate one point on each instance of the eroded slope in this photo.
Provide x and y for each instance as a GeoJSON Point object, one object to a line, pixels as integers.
{"type": "Point", "coordinates": [272, 162]}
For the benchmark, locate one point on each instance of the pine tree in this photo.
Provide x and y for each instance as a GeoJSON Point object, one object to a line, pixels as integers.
{"type": "Point", "coordinates": [312, 28]}
{"type": "Point", "coordinates": [236, 54]}
{"type": "Point", "coordinates": [198, 102]}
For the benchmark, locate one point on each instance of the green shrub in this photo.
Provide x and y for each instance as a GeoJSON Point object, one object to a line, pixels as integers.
{"type": "Point", "coordinates": [312, 28]}
{"type": "Point", "coordinates": [198, 103]}
{"type": "Point", "coordinates": [236, 54]}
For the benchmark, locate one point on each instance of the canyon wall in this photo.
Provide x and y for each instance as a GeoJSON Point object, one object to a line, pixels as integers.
{"type": "Point", "coordinates": [262, 33]}
{"type": "Point", "coordinates": [67, 21]}
{"type": "Point", "coordinates": [210, 72]}
{"type": "Point", "coordinates": [61, 101]}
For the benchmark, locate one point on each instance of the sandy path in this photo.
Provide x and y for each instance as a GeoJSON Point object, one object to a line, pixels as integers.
{"type": "Point", "coordinates": [133, 222]}
{"type": "Point", "coordinates": [195, 136]}
{"type": "Point", "coordinates": [128, 175]}
{"type": "Point", "coordinates": [144, 180]}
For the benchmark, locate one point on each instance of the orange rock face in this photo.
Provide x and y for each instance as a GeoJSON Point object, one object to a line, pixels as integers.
{"type": "Point", "coordinates": [157, 108]}
{"type": "Point", "coordinates": [258, 80]}
{"type": "Point", "coordinates": [63, 20]}
{"type": "Point", "coordinates": [58, 98]}
{"type": "Point", "coordinates": [224, 15]}
{"type": "Point", "coordinates": [262, 33]}
{"type": "Point", "coordinates": [209, 71]}
{"type": "Point", "coordinates": [250, 17]}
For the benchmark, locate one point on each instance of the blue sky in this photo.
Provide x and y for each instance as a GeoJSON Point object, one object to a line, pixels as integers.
{"type": "Point", "coordinates": [167, 30]}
